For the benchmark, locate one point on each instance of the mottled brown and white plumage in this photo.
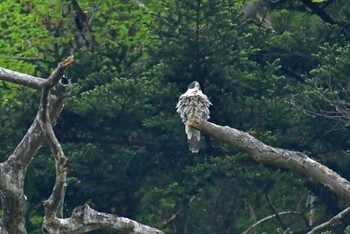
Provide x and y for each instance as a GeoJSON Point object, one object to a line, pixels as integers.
{"type": "Point", "coordinates": [193, 105]}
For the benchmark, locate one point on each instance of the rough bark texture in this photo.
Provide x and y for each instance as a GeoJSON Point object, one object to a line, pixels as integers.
{"type": "Point", "coordinates": [85, 219]}
{"type": "Point", "coordinates": [13, 171]}
{"type": "Point", "coordinates": [19, 78]}
{"type": "Point", "coordinates": [296, 161]}
{"type": "Point", "coordinates": [54, 91]}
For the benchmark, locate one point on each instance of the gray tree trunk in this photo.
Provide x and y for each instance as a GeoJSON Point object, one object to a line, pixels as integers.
{"type": "Point", "coordinates": [54, 91]}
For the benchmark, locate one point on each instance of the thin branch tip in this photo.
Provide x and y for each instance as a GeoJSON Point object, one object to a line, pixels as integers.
{"type": "Point", "coordinates": [68, 61]}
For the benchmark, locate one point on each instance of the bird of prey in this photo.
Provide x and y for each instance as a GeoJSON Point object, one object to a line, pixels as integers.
{"type": "Point", "coordinates": [193, 106]}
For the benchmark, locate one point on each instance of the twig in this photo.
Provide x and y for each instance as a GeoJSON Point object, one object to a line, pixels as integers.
{"type": "Point", "coordinates": [170, 220]}
{"type": "Point", "coordinates": [331, 222]}
{"type": "Point", "coordinates": [177, 214]}
{"type": "Point", "coordinates": [338, 103]}
{"type": "Point", "coordinates": [284, 226]}
{"type": "Point", "coordinates": [31, 59]}
{"type": "Point", "coordinates": [94, 12]}
{"type": "Point", "coordinates": [13, 170]}
{"type": "Point", "coordinates": [270, 217]}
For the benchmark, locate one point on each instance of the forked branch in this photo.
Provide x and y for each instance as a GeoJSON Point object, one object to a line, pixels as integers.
{"type": "Point", "coordinates": [13, 170]}
{"type": "Point", "coordinates": [54, 90]}
{"type": "Point", "coordinates": [54, 205]}
{"type": "Point", "coordinates": [83, 219]}
{"type": "Point", "coordinates": [331, 222]}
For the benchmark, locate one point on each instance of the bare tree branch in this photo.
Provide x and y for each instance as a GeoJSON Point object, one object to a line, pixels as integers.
{"type": "Point", "coordinates": [310, 202]}
{"type": "Point", "coordinates": [33, 139]}
{"type": "Point", "coordinates": [20, 78]}
{"type": "Point", "coordinates": [13, 171]}
{"type": "Point", "coordinates": [260, 152]}
{"type": "Point", "coordinates": [337, 101]}
{"type": "Point", "coordinates": [170, 220]}
{"type": "Point", "coordinates": [54, 205]}
{"type": "Point", "coordinates": [84, 219]}
{"type": "Point", "coordinates": [178, 213]}
{"type": "Point", "coordinates": [283, 225]}
{"type": "Point", "coordinates": [94, 10]}
{"type": "Point", "coordinates": [270, 217]}
{"type": "Point", "coordinates": [331, 222]}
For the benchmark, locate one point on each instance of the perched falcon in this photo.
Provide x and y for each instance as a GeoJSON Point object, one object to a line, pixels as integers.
{"type": "Point", "coordinates": [193, 106]}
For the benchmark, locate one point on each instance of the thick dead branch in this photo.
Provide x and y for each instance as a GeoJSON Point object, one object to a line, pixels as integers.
{"type": "Point", "coordinates": [54, 205]}
{"type": "Point", "coordinates": [296, 161]}
{"type": "Point", "coordinates": [84, 219]}
{"type": "Point", "coordinates": [33, 139]}
{"type": "Point", "coordinates": [20, 78]}
{"type": "Point", "coordinates": [331, 222]}
{"type": "Point", "coordinates": [13, 171]}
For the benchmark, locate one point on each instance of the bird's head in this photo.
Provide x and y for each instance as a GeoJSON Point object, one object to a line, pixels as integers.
{"type": "Point", "coordinates": [195, 86]}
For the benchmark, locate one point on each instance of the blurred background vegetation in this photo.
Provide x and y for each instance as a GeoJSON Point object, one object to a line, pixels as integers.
{"type": "Point", "coordinates": [280, 74]}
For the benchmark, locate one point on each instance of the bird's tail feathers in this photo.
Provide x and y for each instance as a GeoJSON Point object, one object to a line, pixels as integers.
{"type": "Point", "coordinates": [194, 136]}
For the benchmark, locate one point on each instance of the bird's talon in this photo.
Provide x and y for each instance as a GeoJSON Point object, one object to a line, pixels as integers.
{"type": "Point", "coordinates": [192, 122]}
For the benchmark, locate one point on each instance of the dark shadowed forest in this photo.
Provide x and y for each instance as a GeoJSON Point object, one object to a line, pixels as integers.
{"type": "Point", "coordinates": [276, 69]}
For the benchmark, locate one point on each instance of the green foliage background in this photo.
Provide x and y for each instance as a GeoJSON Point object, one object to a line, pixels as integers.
{"type": "Point", "coordinates": [126, 145]}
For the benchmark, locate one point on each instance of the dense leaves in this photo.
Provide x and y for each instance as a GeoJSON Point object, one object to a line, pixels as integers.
{"type": "Point", "coordinates": [286, 84]}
